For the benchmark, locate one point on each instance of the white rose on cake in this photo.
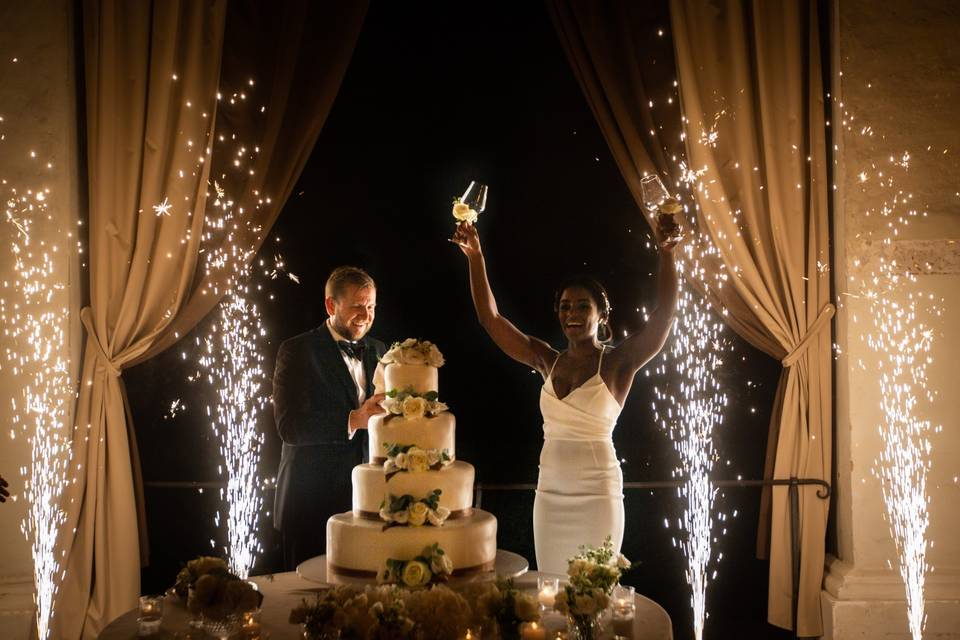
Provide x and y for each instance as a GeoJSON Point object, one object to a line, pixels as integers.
{"type": "Point", "coordinates": [416, 574]}
{"type": "Point", "coordinates": [413, 356]}
{"type": "Point", "coordinates": [433, 457]}
{"type": "Point", "coordinates": [414, 407]}
{"type": "Point", "coordinates": [400, 517]}
{"type": "Point", "coordinates": [400, 461]}
{"type": "Point", "coordinates": [438, 516]}
{"type": "Point", "coordinates": [441, 565]}
{"type": "Point", "coordinates": [417, 460]}
{"type": "Point", "coordinates": [434, 357]}
{"type": "Point", "coordinates": [417, 513]}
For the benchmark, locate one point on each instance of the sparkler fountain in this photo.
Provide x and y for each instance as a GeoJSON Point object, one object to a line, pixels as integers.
{"type": "Point", "coordinates": [36, 319]}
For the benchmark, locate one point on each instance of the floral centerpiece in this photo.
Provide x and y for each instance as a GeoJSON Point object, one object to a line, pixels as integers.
{"type": "Point", "coordinates": [410, 404]}
{"type": "Point", "coordinates": [413, 351]}
{"type": "Point", "coordinates": [382, 613]}
{"type": "Point", "coordinates": [222, 596]}
{"type": "Point", "coordinates": [196, 568]}
{"type": "Point", "coordinates": [432, 565]}
{"type": "Point", "coordinates": [405, 510]}
{"type": "Point", "coordinates": [594, 572]}
{"type": "Point", "coordinates": [411, 458]}
{"type": "Point", "coordinates": [501, 605]}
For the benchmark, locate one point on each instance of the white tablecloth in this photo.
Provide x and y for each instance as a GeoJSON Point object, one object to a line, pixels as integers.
{"type": "Point", "coordinates": [283, 591]}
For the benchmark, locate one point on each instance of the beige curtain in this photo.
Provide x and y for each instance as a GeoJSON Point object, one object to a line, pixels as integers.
{"type": "Point", "coordinates": [751, 74]}
{"type": "Point", "coordinates": [153, 70]}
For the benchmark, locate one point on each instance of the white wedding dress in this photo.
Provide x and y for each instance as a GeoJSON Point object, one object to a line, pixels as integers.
{"type": "Point", "coordinates": [580, 490]}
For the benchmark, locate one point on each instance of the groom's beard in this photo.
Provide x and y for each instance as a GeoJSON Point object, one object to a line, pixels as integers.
{"type": "Point", "coordinates": [349, 331]}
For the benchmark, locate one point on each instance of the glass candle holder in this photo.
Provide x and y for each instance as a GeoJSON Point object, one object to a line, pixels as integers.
{"type": "Point", "coordinates": [622, 596]}
{"type": "Point", "coordinates": [151, 614]}
{"type": "Point", "coordinates": [623, 621]}
{"type": "Point", "coordinates": [547, 589]}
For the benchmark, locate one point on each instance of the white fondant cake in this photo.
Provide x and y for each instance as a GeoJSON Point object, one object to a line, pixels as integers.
{"type": "Point", "coordinates": [426, 432]}
{"type": "Point", "coordinates": [454, 481]}
{"type": "Point", "coordinates": [419, 377]}
{"type": "Point", "coordinates": [361, 546]}
{"type": "Point", "coordinates": [413, 493]}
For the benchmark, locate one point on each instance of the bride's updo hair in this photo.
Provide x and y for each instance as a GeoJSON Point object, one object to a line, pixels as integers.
{"type": "Point", "coordinates": [600, 298]}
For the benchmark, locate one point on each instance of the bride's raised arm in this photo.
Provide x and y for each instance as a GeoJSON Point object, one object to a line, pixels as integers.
{"type": "Point", "coordinates": [642, 345]}
{"type": "Point", "coordinates": [529, 350]}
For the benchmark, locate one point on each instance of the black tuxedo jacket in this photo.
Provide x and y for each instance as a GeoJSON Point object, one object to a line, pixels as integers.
{"type": "Point", "coordinates": [313, 394]}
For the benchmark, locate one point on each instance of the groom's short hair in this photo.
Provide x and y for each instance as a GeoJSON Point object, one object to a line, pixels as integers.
{"type": "Point", "coordinates": [342, 277]}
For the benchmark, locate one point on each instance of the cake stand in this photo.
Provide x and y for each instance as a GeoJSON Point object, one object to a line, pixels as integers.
{"type": "Point", "coordinates": [506, 565]}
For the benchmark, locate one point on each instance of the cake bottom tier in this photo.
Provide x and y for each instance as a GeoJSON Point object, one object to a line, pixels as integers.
{"type": "Point", "coordinates": [360, 548]}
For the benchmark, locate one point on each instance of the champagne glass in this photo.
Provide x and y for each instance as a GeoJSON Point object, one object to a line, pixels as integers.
{"type": "Point", "coordinates": [475, 196]}
{"type": "Point", "coordinates": [658, 202]}
{"type": "Point", "coordinates": [653, 192]}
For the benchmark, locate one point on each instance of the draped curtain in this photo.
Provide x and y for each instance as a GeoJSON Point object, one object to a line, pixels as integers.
{"type": "Point", "coordinates": [749, 73]}
{"type": "Point", "coordinates": [153, 71]}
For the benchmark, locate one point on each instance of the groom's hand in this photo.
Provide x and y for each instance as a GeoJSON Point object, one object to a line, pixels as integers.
{"type": "Point", "coordinates": [467, 238]}
{"type": "Point", "coordinates": [371, 407]}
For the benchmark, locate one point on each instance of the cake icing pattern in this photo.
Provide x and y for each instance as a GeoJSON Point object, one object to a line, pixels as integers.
{"type": "Point", "coordinates": [413, 493]}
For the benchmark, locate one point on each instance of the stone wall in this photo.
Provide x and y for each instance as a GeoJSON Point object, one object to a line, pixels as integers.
{"type": "Point", "coordinates": [899, 91]}
{"type": "Point", "coordinates": [38, 106]}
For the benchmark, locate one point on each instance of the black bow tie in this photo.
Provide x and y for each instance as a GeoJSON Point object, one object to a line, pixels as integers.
{"type": "Point", "coordinates": [352, 349]}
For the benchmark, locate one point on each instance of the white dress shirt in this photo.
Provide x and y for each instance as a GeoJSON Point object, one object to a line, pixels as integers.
{"type": "Point", "coordinates": [355, 367]}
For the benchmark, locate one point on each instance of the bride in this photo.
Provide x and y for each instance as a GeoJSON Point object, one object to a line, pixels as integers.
{"type": "Point", "coordinates": [579, 496]}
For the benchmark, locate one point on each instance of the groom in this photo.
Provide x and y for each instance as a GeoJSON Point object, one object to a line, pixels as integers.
{"type": "Point", "coordinates": [322, 395]}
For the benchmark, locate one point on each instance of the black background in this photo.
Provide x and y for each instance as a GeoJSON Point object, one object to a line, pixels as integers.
{"type": "Point", "coordinates": [438, 94]}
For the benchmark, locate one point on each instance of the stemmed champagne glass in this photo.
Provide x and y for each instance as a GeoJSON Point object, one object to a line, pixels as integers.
{"type": "Point", "coordinates": [475, 196]}
{"type": "Point", "coordinates": [658, 202]}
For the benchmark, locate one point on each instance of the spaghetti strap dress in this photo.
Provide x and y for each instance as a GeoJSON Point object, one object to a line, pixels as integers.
{"type": "Point", "coordinates": [579, 496]}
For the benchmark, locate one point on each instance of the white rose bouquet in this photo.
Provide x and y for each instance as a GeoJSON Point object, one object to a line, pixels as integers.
{"type": "Point", "coordinates": [409, 457]}
{"type": "Point", "coordinates": [405, 510]}
{"type": "Point", "coordinates": [593, 572]}
{"type": "Point", "coordinates": [413, 351]}
{"type": "Point", "coordinates": [432, 565]}
{"type": "Point", "coordinates": [410, 404]}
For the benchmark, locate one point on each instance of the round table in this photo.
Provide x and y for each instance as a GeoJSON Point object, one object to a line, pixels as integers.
{"type": "Point", "coordinates": [283, 591]}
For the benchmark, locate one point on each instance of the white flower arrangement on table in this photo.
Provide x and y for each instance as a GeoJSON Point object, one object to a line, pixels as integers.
{"type": "Point", "coordinates": [594, 572]}
{"type": "Point", "coordinates": [410, 404]}
{"type": "Point", "coordinates": [413, 351]}
{"type": "Point", "coordinates": [413, 459]}
{"type": "Point", "coordinates": [406, 510]}
{"type": "Point", "coordinates": [462, 212]}
{"type": "Point", "coordinates": [432, 565]}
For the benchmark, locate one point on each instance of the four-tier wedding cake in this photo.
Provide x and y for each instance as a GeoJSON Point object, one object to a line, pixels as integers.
{"type": "Point", "coordinates": [413, 495]}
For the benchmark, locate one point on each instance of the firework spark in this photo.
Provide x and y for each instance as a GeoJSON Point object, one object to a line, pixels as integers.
{"type": "Point", "coordinates": [688, 408]}
{"type": "Point", "coordinates": [901, 344]}
{"type": "Point", "coordinates": [36, 318]}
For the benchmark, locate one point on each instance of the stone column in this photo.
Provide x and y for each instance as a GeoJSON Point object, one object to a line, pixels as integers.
{"type": "Point", "coordinates": [38, 93]}
{"type": "Point", "coordinates": [900, 64]}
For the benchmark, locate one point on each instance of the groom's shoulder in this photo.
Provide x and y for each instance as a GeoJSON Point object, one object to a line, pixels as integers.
{"type": "Point", "coordinates": [306, 338]}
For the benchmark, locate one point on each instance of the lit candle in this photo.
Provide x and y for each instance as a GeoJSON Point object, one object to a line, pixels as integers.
{"type": "Point", "coordinates": [151, 613]}
{"type": "Point", "coordinates": [532, 631]}
{"type": "Point", "coordinates": [547, 591]}
{"type": "Point", "coordinates": [623, 621]}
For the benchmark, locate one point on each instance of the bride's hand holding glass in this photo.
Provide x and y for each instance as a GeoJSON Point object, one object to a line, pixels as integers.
{"type": "Point", "coordinates": [467, 238]}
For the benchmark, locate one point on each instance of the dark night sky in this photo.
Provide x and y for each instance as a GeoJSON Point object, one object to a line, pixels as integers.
{"type": "Point", "coordinates": [438, 94]}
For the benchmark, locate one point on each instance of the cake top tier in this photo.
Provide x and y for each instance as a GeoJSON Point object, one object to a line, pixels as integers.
{"type": "Point", "coordinates": [412, 365]}
{"type": "Point", "coordinates": [413, 351]}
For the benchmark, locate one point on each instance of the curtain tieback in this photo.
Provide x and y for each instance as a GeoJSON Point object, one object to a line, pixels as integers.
{"type": "Point", "coordinates": [86, 318]}
{"type": "Point", "coordinates": [825, 314]}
